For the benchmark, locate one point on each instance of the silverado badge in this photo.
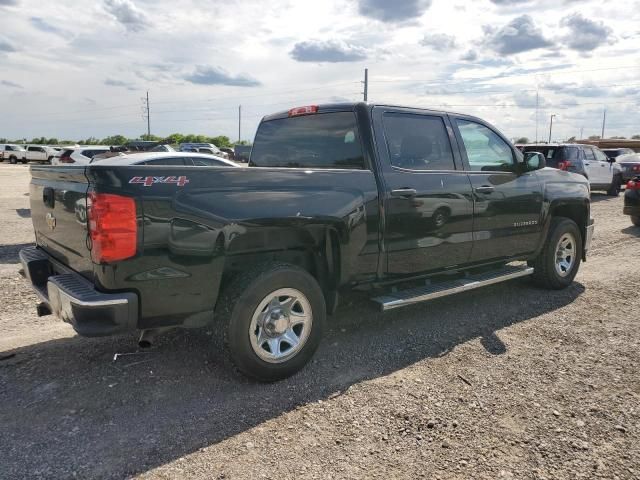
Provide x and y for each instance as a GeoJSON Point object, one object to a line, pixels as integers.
{"type": "Point", "coordinates": [51, 220]}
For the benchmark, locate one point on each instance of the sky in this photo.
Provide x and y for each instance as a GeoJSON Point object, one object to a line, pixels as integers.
{"type": "Point", "coordinates": [76, 69]}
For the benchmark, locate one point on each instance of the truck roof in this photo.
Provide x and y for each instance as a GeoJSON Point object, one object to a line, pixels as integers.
{"type": "Point", "coordinates": [349, 106]}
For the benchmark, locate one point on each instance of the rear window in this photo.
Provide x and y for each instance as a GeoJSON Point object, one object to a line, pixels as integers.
{"type": "Point", "coordinates": [207, 162]}
{"type": "Point", "coordinates": [92, 153]}
{"type": "Point", "coordinates": [328, 140]}
{"type": "Point", "coordinates": [165, 161]}
{"type": "Point", "coordinates": [554, 155]}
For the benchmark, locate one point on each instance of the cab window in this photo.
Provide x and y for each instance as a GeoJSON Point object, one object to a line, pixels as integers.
{"type": "Point", "coordinates": [418, 142]}
{"type": "Point", "coordinates": [486, 150]}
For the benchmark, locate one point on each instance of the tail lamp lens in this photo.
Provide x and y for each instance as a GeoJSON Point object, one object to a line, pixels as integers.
{"type": "Point", "coordinates": [113, 227]}
{"type": "Point", "coordinates": [633, 185]}
{"type": "Point", "coordinates": [306, 110]}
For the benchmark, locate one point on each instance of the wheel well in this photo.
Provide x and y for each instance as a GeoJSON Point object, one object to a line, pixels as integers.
{"type": "Point", "coordinates": [577, 213]}
{"type": "Point", "coordinates": [321, 259]}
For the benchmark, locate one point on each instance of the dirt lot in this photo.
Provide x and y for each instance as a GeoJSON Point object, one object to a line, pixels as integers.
{"type": "Point", "coordinates": [505, 382]}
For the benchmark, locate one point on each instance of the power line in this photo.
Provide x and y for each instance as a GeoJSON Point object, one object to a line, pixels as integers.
{"type": "Point", "coordinates": [497, 77]}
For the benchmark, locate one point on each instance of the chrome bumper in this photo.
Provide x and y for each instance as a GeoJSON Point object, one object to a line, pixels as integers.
{"type": "Point", "coordinates": [75, 300]}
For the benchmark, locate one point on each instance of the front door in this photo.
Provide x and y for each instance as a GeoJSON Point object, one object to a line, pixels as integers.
{"type": "Point", "coordinates": [428, 204]}
{"type": "Point", "coordinates": [507, 203]}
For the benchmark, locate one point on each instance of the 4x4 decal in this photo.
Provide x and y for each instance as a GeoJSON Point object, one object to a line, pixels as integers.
{"type": "Point", "coordinates": [149, 181]}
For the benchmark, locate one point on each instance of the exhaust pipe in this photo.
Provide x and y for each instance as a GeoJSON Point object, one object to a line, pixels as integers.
{"type": "Point", "coordinates": [147, 337]}
{"type": "Point", "coordinates": [42, 309]}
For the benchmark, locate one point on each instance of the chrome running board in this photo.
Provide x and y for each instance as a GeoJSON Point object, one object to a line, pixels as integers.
{"type": "Point", "coordinates": [442, 289]}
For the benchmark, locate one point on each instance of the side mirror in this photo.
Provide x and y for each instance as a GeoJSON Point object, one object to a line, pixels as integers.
{"type": "Point", "coordinates": [611, 160]}
{"type": "Point", "coordinates": [534, 160]}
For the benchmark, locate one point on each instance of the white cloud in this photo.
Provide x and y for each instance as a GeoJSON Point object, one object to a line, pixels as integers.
{"type": "Point", "coordinates": [126, 12]}
{"type": "Point", "coordinates": [199, 61]}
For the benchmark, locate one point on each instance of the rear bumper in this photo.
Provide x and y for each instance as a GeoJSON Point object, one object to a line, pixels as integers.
{"type": "Point", "coordinates": [632, 202]}
{"type": "Point", "coordinates": [75, 300]}
{"type": "Point", "coordinates": [634, 211]}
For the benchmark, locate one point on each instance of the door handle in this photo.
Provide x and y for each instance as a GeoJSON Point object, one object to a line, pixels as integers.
{"type": "Point", "coordinates": [404, 192]}
{"type": "Point", "coordinates": [485, 189]}
{"type": "Point", "coordinates": [587, 163]}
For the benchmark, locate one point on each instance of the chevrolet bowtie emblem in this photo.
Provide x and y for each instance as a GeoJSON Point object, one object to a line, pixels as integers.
{"type": "Point", "coordinates": [51, 220]}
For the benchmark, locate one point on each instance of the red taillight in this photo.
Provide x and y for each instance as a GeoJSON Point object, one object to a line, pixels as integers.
{"type": "Point", "coordinates": [303, 110]}
{"type": "Point", "coordinates": [113, 227]}
{"type": "Point", "coordinates": [66, 158]}
{"type": "Point", "coordinates": [636, 168]}
{"type": "Point", "coordinates": [564, 165]}
{"type": "Point", "coordinates": [633, 185]}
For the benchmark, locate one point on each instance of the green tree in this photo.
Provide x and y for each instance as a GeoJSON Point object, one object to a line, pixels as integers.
{"type": "Point", "coordinates": [175, 138]}
{"type": "Point", "coordinates": [114, 140]}
{"type": "Point", "coordinates": [150, 138]}
{"type": "Point", "coordinates": [635, 137]}
{"type": "Point", "coordinates": [522, 140]}
{"type": "Point", "coordinates": [221, 141]}
{"type": "Point", "coordinates": [594, 137]}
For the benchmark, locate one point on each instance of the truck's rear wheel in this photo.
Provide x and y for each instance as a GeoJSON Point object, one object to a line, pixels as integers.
{"type": "Point", "coordinates": [614, 188]}
{"type": "Point", "coordinates": [273, 317]}
{"type": "Point", "coordinates": [635, 220]}
{"type": "Point", "coordinates": [13, 160]}
{"type": "Point", "coordinates": [557, 264]}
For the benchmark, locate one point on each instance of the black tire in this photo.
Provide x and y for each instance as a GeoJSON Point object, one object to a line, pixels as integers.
{"type": "Point", "coordinates": [236, 307]}
{"type": "Point", "coordinates": [614, 188]}
{"type": "Point", "coordinates": [49, 160]}
{"type": "Point", "coordinates": [545, 274]}
{"type": "Point", "coordinates": [13, 160]}
{"type": "Point", "coordinates": [636, 221]}
{"type": "Point", "coordinates": [441, 217]}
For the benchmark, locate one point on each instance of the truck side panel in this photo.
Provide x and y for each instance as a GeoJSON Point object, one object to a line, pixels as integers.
{"type": "Point", "coordinates": [221, 217]}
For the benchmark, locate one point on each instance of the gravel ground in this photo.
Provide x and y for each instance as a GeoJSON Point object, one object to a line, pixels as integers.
{"type": "Point", "coordinates": [505, 382]}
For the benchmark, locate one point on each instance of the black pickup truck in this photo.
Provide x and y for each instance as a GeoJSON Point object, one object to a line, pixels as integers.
{"type": "Point", "coordinates": [334, 197]}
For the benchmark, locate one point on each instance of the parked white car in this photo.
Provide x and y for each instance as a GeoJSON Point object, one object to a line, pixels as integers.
{"type": "Point", "coordinates": [187, 159]}
{"type": "Point", "coordinates": [11, 152]}
{"type": "Point", "coordinates": [78, 155]}
{"type": "Point", "coordinates": [39, 153]}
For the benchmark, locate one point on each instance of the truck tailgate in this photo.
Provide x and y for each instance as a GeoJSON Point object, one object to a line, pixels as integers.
{"type": "Point", "coordinates": [58, 197]}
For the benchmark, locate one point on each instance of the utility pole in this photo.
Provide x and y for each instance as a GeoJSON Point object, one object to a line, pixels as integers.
{"type": "Point", "coordinates": [604, 119]}
{"type": "Point", "coordinates": [366, 84]}
{"type": "Point", "coordinates": [146, 113]}
{"type": "Point", "coordinates": [239, 121]}
{"type": "Point", "coordinates": [551, 126]}
{"type": "Point", "coordinates": [537, 109]}
{"type": "Point", "coordinates": [581, 132]}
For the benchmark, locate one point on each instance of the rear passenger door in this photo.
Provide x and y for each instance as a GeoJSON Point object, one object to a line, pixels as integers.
{"type": "Point", "coordinates": [428, 200]}
{"type": "Point", "coordinates": [605, 167]}
{"type": "Point", "coordinates": [507, 204]}
{"type": "Point", "coordinates": [591, 166]}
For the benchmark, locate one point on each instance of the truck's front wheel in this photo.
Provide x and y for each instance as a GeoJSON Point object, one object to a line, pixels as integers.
{"type": "Point", "coordinates": [273, 317]}
{"type": "Point", "coordinates": [557, 264]}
